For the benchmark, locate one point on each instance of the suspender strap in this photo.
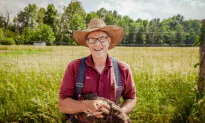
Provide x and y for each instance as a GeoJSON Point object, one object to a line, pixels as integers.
{"type": "Point", "coordinates": [118, 79]}
{"type": "Point", "coordinates": [80, 81]}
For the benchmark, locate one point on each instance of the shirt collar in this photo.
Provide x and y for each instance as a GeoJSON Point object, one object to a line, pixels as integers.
{"type": "Point", "coordinates": [90, 63]}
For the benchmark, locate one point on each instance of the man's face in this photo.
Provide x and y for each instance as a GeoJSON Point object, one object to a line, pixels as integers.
{"type": "Point", "coordinates": [98, 43]}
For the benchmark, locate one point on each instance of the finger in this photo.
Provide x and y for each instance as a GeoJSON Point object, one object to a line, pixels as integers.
{"type": "Point", "coordinates": [96, 114]}
{"type": "Point", "coordinates": [99, 115]}
{"type": "Point", "coordinates": [104, 104]}
{"type": "Point", "coordinates": [89, 112]}
{"type": "Point", "coordinates": [104, 110]}
{"type": "Point", "coordinates": [97, 106]}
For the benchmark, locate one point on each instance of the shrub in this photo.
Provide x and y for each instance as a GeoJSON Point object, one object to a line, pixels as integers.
{"type": "Point", "coordinates": [10, 34]}
{"type": "Point", "coordinates": [1, 34]}
{"type": "Point", "coordinates": [44, 33]}
{"type": "Point", "coordinates": [7, 41]}
{"type": "Point", "coordinates": [28, 35]}
{"type": "Point", "coordinates": [19, 39]}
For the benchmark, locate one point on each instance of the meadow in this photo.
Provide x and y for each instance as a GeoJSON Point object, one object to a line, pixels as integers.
{"type": "Point", "coordinates": [165, 79]}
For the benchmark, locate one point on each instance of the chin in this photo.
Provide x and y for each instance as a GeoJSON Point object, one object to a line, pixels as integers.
{"type": "Point", "coordinates": [99, 55]}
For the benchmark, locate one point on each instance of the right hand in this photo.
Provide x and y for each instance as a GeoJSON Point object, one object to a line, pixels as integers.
{"type": "Point", "coordinates": [96, 108]}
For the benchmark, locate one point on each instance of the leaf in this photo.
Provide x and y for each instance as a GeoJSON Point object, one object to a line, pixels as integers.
{"type": "Point", "coordinates": [196, 65]}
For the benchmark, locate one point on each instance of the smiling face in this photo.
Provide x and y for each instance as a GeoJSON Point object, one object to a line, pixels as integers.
{"type": "Point", "coordinates": [98, 43]}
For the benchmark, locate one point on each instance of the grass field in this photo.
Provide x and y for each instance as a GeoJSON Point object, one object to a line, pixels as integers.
{"type": "Point", "coordinates": [165, 80]}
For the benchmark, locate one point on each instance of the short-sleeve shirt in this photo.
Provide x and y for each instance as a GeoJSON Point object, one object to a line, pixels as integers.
{"type": "Point", "coordinates": [103, 84]}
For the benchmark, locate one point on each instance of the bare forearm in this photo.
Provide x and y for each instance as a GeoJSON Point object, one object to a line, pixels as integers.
{"type": "Point", "coordinates": [70, 106]}
{"type": "Point", "coordinates": [128, 105]}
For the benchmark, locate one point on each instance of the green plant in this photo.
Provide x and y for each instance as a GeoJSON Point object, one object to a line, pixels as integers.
{"type": "Point", "coordinates": [7, 41]}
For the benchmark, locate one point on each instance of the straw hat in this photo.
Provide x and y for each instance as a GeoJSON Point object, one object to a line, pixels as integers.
{"type": "Point", "coordinates": [115, 32]}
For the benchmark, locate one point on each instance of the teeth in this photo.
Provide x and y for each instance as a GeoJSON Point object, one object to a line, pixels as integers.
{"type": "Point", "coordinates": [98, 50]}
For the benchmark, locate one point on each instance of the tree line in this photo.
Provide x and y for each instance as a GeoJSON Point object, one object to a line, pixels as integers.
{"type": "Point", "coordinates": [34, 24]}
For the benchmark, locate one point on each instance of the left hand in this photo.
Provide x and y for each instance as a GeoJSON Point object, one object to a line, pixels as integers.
{"type": "Point", "coordinates": [102, 107]}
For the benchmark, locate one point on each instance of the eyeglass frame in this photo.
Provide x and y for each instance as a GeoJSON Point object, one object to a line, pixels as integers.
{"type": "Point", "coordinates": [98, 39]}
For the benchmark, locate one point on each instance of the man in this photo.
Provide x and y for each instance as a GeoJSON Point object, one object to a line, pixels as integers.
{"type": "Point", "coordinates": [99, 76]}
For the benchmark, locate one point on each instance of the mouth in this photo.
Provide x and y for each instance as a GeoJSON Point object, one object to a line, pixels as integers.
{"type": "Point", "coordinates": [97, 50]}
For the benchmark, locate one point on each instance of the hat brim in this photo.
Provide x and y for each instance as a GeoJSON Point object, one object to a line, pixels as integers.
{"type": "Point", "coordinates": [115, 32]}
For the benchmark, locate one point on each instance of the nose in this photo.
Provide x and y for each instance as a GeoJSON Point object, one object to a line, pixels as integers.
{"type": "Point", "coordinates": [97, 45]}
{"type": "Point", "coordinates": [97, 42]}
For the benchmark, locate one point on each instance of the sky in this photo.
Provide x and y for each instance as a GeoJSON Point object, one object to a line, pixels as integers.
{"type": "Point", "coordinates": [144, 9]}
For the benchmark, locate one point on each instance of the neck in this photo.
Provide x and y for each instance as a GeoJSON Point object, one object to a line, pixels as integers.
{"type": "Point", "coordinates": [100, 61]}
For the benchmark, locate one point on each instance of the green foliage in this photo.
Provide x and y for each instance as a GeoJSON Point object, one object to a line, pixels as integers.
{"type": "Point", "coordinates": [73, 11]}
{"type": "Point", "coordinates": [28, 17]}
{"type": "Point", "coordinates": [19, 39]}
{"type": "Point", "coordinates": [90, 16]}
{"type": "Point", "coordinates": [73, 8]}
{"type": "Point", "coordinates": [7, 41]}
{"type": "Point", "coordinates": [23, 101]}
{"type": "Point", "coordinates": [198, 111]}
{"type": "Point", "coordinates": [28, 35]}
{"type": "Point", "coordinates": [10, 34]}
{"type": "Point", "coordinates": [41, 13]}
{"type": "Point", "coordinates": [77, 22]}
{"type": "Point", "coordinates": [44, 33]}
{"type": "Point", "coordinates": [196, 42]}
{"type": "Point", "coordinates": [173, 30]}
{"type": "Point", "coordinates": [1, 34]}
{"type": "Point", "coordinates": [50, 17]}
{"type": "Point", "coordinates": [40, 33]}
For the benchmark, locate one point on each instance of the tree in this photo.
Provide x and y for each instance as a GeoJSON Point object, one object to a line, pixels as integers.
{"type": "Point", "coordinates": [4, 20]}
{"type": "Point", "coordinates": [102, 13]}
{"type": "Point", "coordinates": [50, 17]}
{"type": "Point", "coordinates": [152, 34]}
{"type": "Point", "coordinates": [145, 23]}
{"type": "Point", "coordinates": [27, 18]}
{"type": "Point", "coordinates": [125, 23]}
{"type": "Point", "coordinates": [41, 14]}
{"type": "Point", "coordinates": [28, 35]}
{"type": "Point", "coordinates": [125, 27]}
{"type": "Point", "coordinates": [115, 14]}
{"type": "Point", "coordinates": [90, 16]}
{"type": "Point", "coordinates": [133, 32]}
{"type": "Point", "coordinates": [190, 37]}
{"type": "Point", "coordinates": [139, 29]}
{"type": "Point", "coordinates": [179, 18]}
{"type": "Point", "coordinates": [180, 37]}
{"type": "Point", "coordinates": [165, 36]}
{"type": "Point", "coordinates": [45, 33]}
{"type": "Point", "coordinates": [19, 39]}
{"type": "Point", "coordinates": [110, 19]}
{"type": "Point", "coordinates": [201, 81]}
{"type": "Point", "coordinates": [74, 8]}
{"type": "Point", "coordinates": [77, 23]}
{"type": "Point", "coordinates": [1, 34]}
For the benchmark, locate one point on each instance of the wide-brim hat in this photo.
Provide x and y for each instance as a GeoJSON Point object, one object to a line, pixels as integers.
{"type": "Point", "coordinates": [115, 32]}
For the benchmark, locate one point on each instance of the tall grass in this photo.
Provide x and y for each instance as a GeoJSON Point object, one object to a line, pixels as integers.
{"type": "Point", "coordinates": [165, 80]}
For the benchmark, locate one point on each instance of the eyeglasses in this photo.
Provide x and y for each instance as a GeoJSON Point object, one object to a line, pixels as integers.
{"type": "Point", "coordinates": [100, 39]}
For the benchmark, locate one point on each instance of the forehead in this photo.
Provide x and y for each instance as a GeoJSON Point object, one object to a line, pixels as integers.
{"type": "Point", "coordinates": [97, 34]}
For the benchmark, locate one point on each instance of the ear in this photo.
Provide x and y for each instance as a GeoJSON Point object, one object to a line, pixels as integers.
{"type": "Point", "coordinates": [87, 42]}
{"type": "Point", "coordinates": [109, 40]}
